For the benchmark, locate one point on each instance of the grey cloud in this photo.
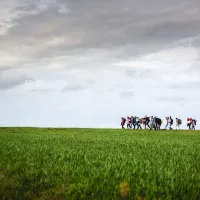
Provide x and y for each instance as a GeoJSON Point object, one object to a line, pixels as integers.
{"type": "Point", "coordinates": [131, 73]}
{"type": "Point", "coordinates": [7, 82]}
{"type": "Point", "coordinates": [133, 27]}
{"type": "Point", "coordinates": [80, 86]}
{"type": "Point", "coordinates": [73, 88]}
{"type": "Point", "coordinates": [3, 69]}
{"type": "Point", "coordinates": [121, 22]}
{"type": "Point", "coordinates": [173, 29]}
{"type": "Point", "coordinates": [134, 74]}
{"type": "Point", "coordinates": [108, 24]}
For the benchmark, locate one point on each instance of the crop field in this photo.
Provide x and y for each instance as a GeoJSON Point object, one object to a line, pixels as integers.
{"type": "Point", "coordinates": [38, 163]}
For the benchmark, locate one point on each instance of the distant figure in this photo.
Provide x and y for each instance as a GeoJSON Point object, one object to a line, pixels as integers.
{"type": "Point", "coordinates": [158, 123]}
{"type": "Point", "coordinates": [170, 123]}
{"type": "Point", "coordinates": [189, 123]}
{"type": "Point", "coordinates": [191, 119]}
{"type": "Point", "coordinates": [133, 122]}
{"type": "Point", "coordinates": [193, 124]}
{"type": "Point", "coordinates": [145, 122]}
{"type": "Point", "coordinates": [178, 123]}
{"type": "Point", "coordinates": [123, 121]}
{"type": "Point", "coordinates": [167, 122]}
{"type": "Point", "coordinates": [138, 123]}
{"type": "Point", "coordinates": [153, 123]}
{"type": "Point", "coordinates": [128, 122]}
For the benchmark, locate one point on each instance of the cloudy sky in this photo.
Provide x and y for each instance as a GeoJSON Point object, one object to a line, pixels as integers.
{"type": "Point", "coordinates": [86, 63]}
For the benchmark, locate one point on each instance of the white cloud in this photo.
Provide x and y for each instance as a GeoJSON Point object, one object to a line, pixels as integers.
{"type": "Point", "coordinates": [171, 65]}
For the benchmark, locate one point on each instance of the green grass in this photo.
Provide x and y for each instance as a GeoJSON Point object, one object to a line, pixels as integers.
{"type": "Point", "coordinates": [99, 164]}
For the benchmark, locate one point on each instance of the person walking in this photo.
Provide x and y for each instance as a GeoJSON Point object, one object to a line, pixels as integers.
{"type": "Point", "coordinates": [193, 124]}
{"type": "Point", "coordinates": [189, 123]}
{"type": "Point", "coordinates": [133, 122]}
{"type": "Point", "coordinates": [123, 120]}
{"type": "Point", "coordinates": [138, 122]}
{"type": "Point", "coordinates": [147, 121]}
{"type": "Point", "coordinates": [158, 123]}
{"type": "Point", "coordinates": [153, 123]}
{"type": "Point", "coordinates": [167, 122]}
{"type": "Point", "coordinates": [178, 123]}
{"type": "Point", "coordinates": [170, 123]}
{"type": "Point", "coordinates": [128, 122]}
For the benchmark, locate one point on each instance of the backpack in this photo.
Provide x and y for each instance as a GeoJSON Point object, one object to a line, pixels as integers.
{"type": "Point", "coordinates": [179, 121]}
{"type": "Point", "coordinates": [123, 120]}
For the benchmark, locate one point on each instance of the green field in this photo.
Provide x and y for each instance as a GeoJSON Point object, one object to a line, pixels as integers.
{"type": "Point", "coordinates": [99, 164]}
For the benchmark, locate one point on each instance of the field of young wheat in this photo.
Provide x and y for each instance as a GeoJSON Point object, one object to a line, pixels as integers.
{"type": "Point", "coordinates": [99, 164]}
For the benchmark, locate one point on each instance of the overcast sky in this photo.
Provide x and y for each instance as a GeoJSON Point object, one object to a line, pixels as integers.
{"type": "Point", "coordinates": [86, 63]}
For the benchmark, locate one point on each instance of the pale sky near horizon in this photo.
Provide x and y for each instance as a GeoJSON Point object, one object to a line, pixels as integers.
{"type": "Point", "coordinates": [86, 63]}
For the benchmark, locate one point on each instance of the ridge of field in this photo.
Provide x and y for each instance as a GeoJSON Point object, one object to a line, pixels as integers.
{"type": "Point", "coordinates": [47, 163]}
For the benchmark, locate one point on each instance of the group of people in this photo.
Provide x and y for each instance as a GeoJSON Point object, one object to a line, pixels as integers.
{"type": "Point", "coordinates": [191, 123]}
{"type": "Point", "coordinates": [154, 122]}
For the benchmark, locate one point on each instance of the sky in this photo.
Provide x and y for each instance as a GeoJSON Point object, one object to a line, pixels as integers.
{"type": "Point", "coordinates": [86, 63]}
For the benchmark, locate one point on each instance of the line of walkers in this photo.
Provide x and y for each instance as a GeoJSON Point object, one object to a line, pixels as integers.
{"type": "Point", "coordinates": [154, 122]}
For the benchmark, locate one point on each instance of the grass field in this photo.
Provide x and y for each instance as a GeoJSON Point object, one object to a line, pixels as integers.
{"type": "Point", "coordinates": [99, 164]}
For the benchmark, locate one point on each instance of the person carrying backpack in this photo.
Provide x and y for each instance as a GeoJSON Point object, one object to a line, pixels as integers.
{"type": "Point", "coordinates": [147, 121]}
{"type": "Point", "coordinates": [123, 121]}
{"type": "Point", "coordinates": [128, 122]}
{"type": "Point", "coordinates": [158, 122]}
{"type": "Point", "coordinates": [170, 123]}
{"type": "Point", "coordinates": [138, 123]}
{"type": "Point", "coordinates": [193, 124]}
{"type": "Point", "coordinates": [153, 123]}
{"type": "Point", "coordinates": [189, 123]}
{"type": "Point", "coordinates": [133, 121]}
{"type": "Point", "coordinates": [178, 123]}
{"type": "Point", "coordinates": [167, 122]}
